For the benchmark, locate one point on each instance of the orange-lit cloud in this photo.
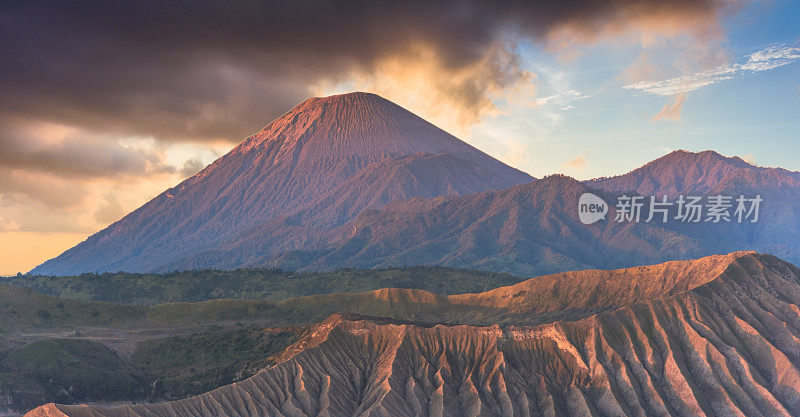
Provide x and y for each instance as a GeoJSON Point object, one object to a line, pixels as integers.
{"type": "Point", "coordinates": [453, 98]}
{"type": "Point", "coordinates": [692, 30]}
{"type": "Point", "coordinates": [223, 70]}
{"type": "Point", "coordinates": [191, 166]}
{"type": "Point", "coordinates": [671, 111]}
{"type": "Point", "coordinates": [640, 70]}
{"type": "Point", "coordinates": [577, 163]}
{"type": "Point", "coordinates": [110, 210]}
{"type": "Point", "coordinates": [8, 225]}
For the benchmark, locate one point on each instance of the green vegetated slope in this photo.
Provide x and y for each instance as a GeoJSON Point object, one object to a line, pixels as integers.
{"type": "Point", "coordinates": [23, 308]}
{"type": "Point", "coordinates": [80, 368]}
{"type": "Point", "coordinates": [77, 370]}
{"type": "Point", "coordinates": [541, 299]}
{"type": "Point", "coordinates": [66, 371]}
{"type": "Point", "coordinates": [262, 284]}
{"type": "Point", "coordinates": [181, 366]}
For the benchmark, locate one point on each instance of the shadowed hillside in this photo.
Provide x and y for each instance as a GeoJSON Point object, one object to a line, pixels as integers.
{"type": "Point", "coordinates": [531, 229]}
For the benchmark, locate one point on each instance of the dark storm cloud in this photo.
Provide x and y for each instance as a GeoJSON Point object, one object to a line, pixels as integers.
{"type": "Point", "coordinates": [79, 157]}
{"type": "Point", "coordinates": [213, 69]}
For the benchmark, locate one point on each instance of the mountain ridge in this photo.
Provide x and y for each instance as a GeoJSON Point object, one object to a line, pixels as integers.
{"type": "Point", "coordinates": [685, 172]}
{"type": "Point", "coordinates": [500, 230]}
{"type": "Point", "coordinates": [533, 227]}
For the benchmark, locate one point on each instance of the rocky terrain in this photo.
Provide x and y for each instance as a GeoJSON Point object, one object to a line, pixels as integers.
{"type": "Point", "coordinates": [712, 337]}
{"type": "Point", "coordinates": [264, 306]}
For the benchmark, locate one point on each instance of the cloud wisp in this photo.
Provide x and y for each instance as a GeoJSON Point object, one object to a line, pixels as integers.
{"type": "Point", "coordinates": [764, 60]}
{"type": "Point", "coordinates": [671, 111]}
{"type": "Point", "coordinates": [564, 98]}
{"type": "Point", "coordinates": [577, 163]}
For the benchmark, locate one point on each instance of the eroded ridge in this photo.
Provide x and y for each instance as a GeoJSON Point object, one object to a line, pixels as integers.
{"type": "Point", "coordinates": [727, 347]}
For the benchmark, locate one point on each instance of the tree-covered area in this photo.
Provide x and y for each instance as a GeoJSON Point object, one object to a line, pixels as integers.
{"type": "Point", "coordinates": [181, 366]}
{"type": "Point", "coordinates": [255, 283]}
{"type": "Point", "coordinates": [71, 371]}
{"type": "Point", "coordinates": [68, 371]}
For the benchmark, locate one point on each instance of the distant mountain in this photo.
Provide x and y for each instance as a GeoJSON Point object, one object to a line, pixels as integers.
{"type": "Point", "coordinates": [690, 173]}
{"type": "Point", "coordinates": [529, 229]}
{"type": "Point", "coordinates": [533, 229]}
{"type": "Point", "coordinates": [715, 336]}
{"type": "Point", "coordinates": [709, 173]}
{"type": "Point", "coordinates": [331, 157]}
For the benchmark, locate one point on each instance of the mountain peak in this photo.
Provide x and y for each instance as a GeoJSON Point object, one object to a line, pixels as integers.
{"type": "Point", "coordinates": [702, 157]}
{"type": "Point", "coordinates": [358, 102]}
{"type": "Point", "coordinates": [323, 146]}
{"type": "Point", "coordinates": [678, 172]}
{"type": "Point", "coordinates": [354, 125]}
{"type": "Point", "coordinates": [355, 97]}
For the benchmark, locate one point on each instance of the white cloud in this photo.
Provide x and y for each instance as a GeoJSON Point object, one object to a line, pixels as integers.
{"type": "Point", "coordinates": [763, 60]}
{"type": "Point", "coordinates": [564, 98]}
{"type": "Point", "coordinates": [771, 58]}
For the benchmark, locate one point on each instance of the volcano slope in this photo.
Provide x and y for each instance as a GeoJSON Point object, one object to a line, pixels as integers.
{"type": "Point", "coordinates": [712, 337]}
{"type": "Point", "coordinates": [323, 162]}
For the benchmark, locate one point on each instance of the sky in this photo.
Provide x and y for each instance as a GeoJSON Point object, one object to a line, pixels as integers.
{"type": "Point", "coordinates": [104, 104]}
